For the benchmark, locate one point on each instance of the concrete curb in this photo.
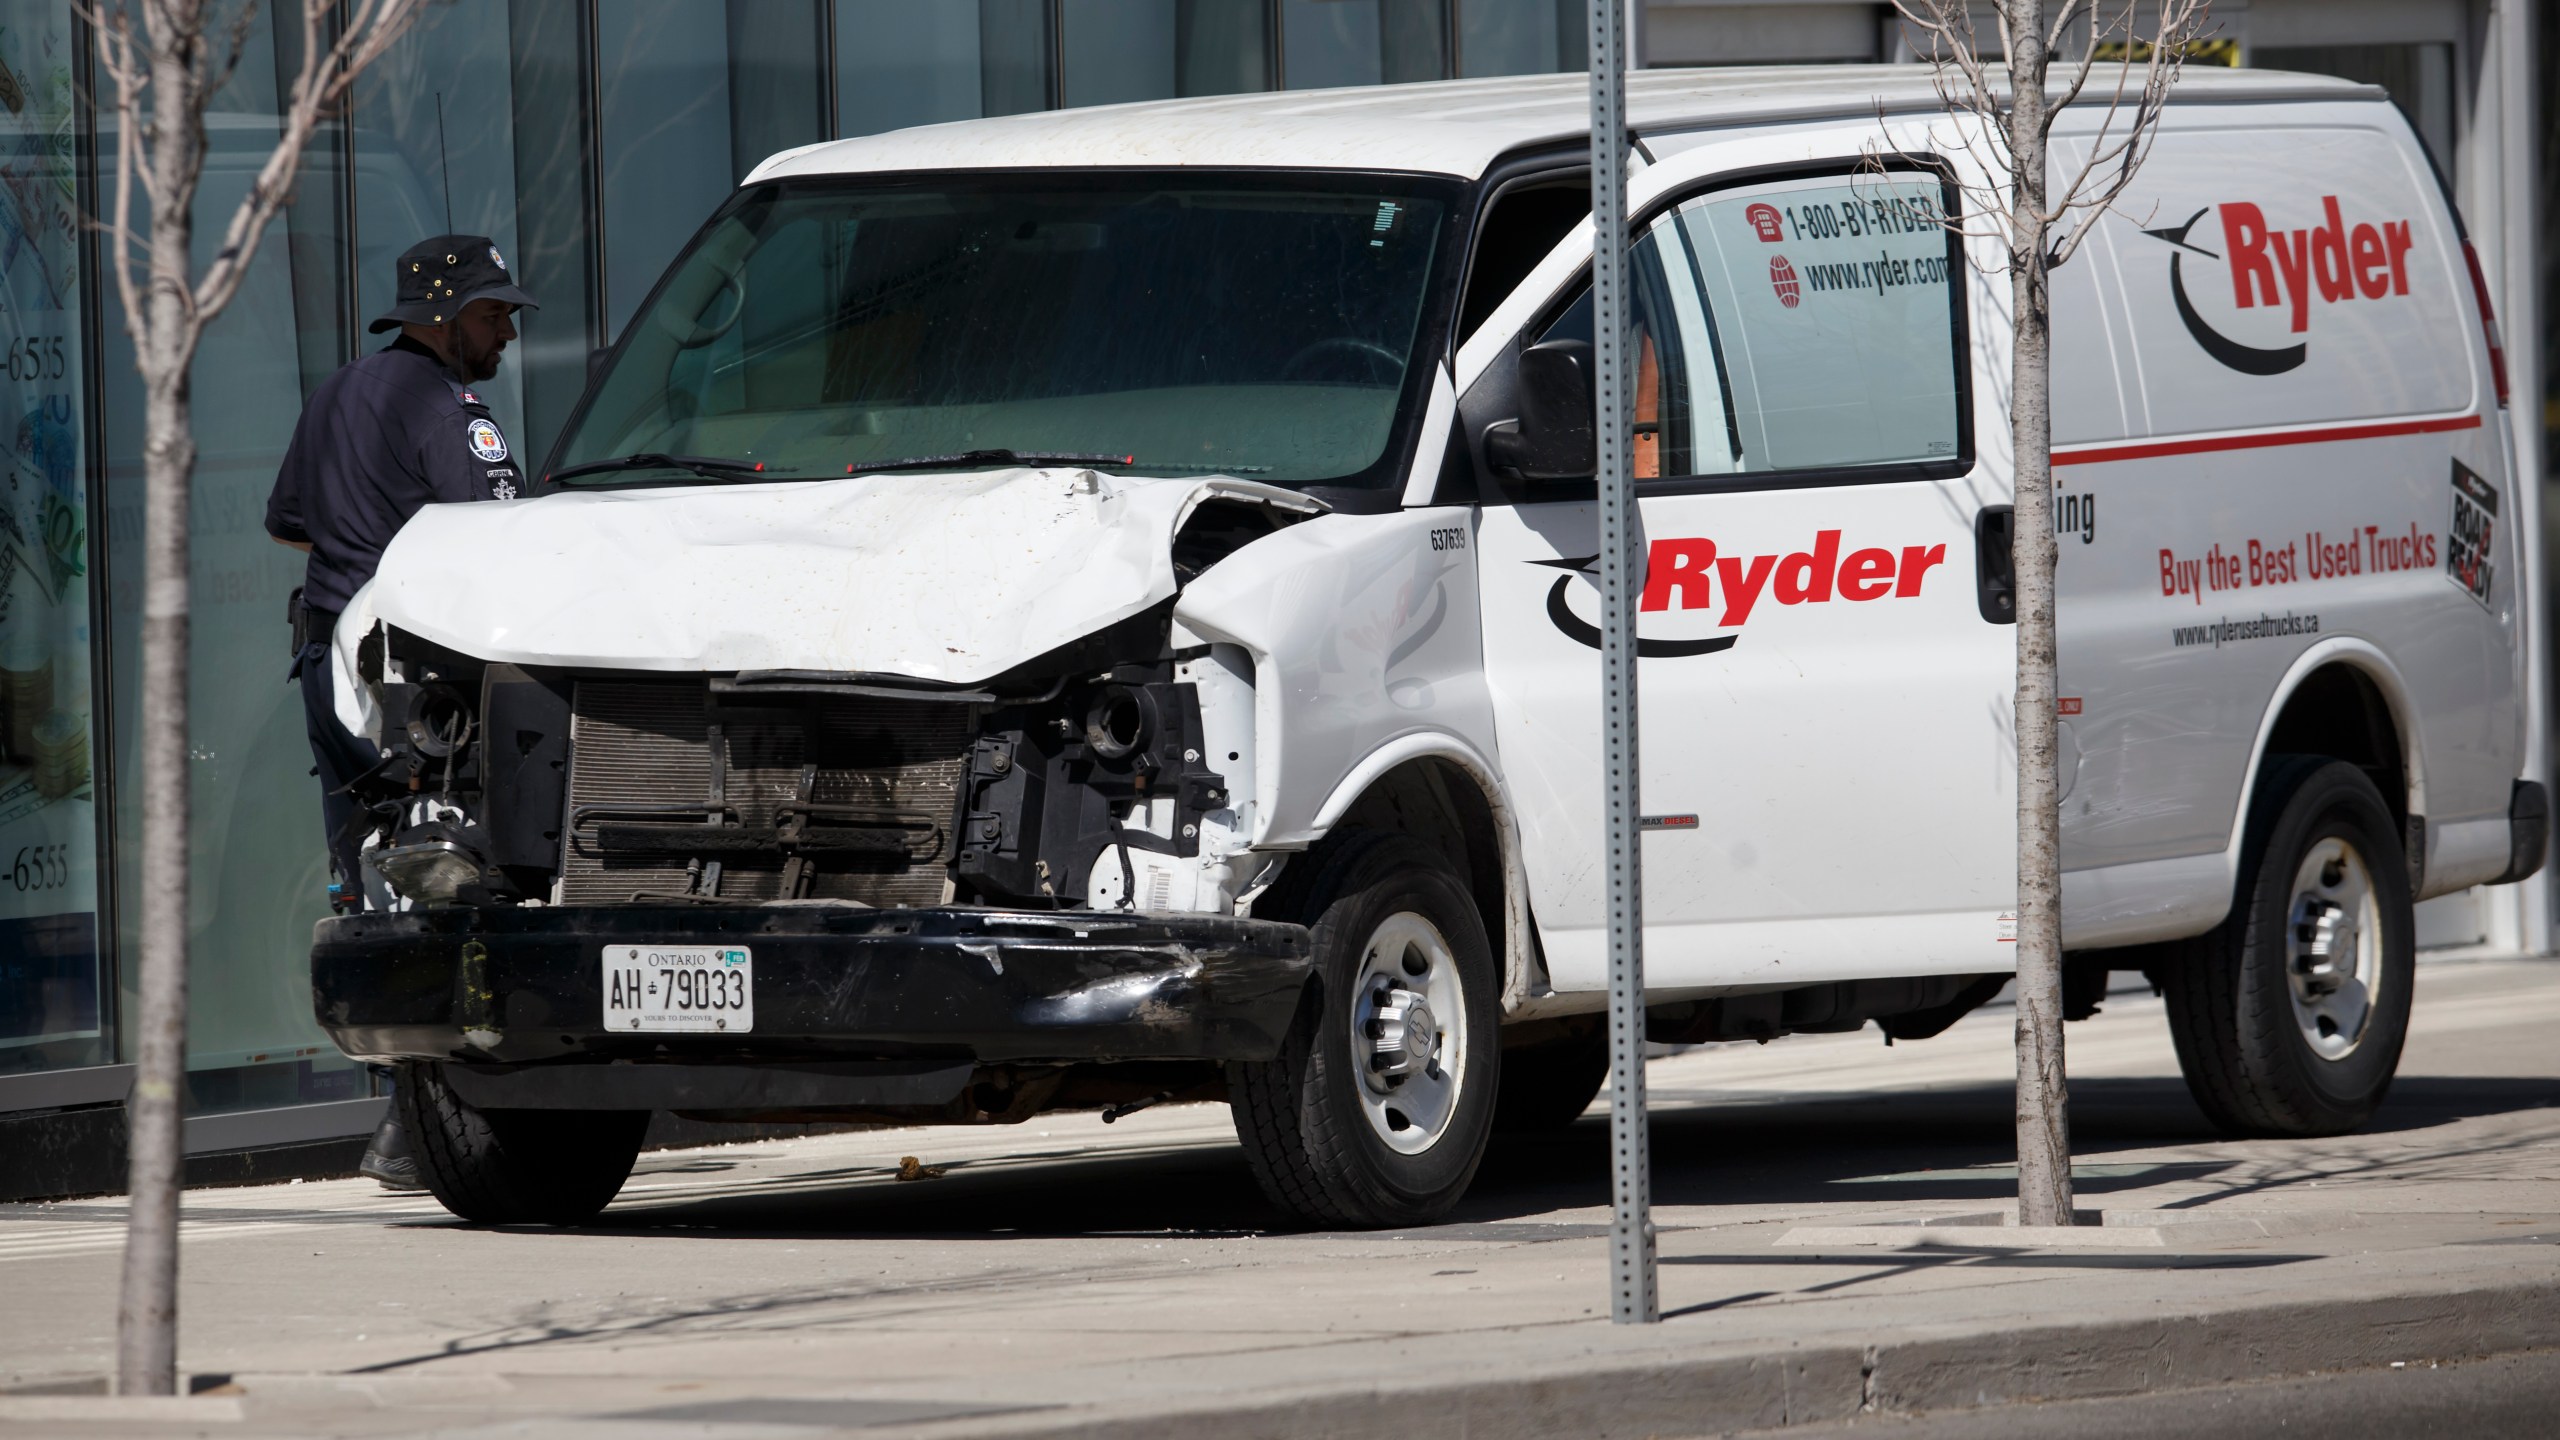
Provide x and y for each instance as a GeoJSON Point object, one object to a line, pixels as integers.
{"type": "Point", "coordinates": [104, 1409]}
{"type": "Point", "coordinates": [1668, 1393]}
{"type": "Point", "coordinates": [2101, 1230]}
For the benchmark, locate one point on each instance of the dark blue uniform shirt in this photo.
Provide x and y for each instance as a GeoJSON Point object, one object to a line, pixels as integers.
{"type": "Point", "coordinates": [385, 436]}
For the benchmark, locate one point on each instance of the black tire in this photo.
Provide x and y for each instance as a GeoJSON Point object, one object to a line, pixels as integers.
{"type": "Point", "coordinates": [2250, 1049]}
{"type": "Point", "coordinates": [1547, 1086]}
{"type": "Point", "coordinates": [1309, 1118]}
{"type": "Point", "coordinates": [516, 1167]}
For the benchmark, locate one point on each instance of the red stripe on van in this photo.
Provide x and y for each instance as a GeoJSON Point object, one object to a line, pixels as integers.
{"type": "Point", "coordinates": [2097, 454]}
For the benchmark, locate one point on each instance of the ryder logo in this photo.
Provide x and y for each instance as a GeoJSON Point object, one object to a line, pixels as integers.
{"type": "Point", "coordinates": [2270, 267]}
{"type": "Point", "coordinates": [1689, 574]}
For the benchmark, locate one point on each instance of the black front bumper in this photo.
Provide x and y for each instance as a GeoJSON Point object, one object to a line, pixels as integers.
{"type": "Point", "coordinates": [518, 985]}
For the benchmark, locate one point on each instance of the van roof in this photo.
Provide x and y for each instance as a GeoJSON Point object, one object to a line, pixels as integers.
{"type": "Point", "coordinates": [1450, 127]}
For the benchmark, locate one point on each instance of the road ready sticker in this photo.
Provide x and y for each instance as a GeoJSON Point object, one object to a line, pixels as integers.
{"type": "Point", "coordinates": [2475, 525]}
{"type": "Point", "coordinates": [486, 442]}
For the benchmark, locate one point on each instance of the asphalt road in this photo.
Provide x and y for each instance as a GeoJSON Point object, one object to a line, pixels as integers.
{"type": "Point", "coordinates": [2508, 1397]}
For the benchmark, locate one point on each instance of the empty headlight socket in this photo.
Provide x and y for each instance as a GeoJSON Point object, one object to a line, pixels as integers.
{"type": "Point", "coordinates": [1048, 783]}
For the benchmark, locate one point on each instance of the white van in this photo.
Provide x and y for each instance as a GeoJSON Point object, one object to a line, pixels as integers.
{"type": "Point", "coordinates": [1096, 608]}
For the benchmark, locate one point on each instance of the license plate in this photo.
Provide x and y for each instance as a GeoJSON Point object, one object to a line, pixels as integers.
{"type": "Point", "coordinates": [693, 988]}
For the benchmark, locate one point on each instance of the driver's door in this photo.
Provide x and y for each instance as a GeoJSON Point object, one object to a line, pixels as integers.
{"type": "Point", "coordinates": [1827, 758]}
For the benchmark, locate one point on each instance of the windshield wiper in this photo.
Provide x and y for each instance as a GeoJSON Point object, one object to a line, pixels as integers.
{"type": "Point", "coordinates": [709, 467]}
{"type": "Point", "coordinates": [988, 457]}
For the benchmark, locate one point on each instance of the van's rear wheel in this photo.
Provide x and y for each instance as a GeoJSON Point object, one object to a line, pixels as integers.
{"type": "Point", "coordinates": [2289, 1017]}
{"type": "Point", "coordinates": [516, 1167]}
{"type": "Point", "coordinates": [1377, 1108]}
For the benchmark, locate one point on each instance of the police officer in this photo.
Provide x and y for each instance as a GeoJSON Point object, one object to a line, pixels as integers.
{"type": "Point", "coordinates": [395, 431]}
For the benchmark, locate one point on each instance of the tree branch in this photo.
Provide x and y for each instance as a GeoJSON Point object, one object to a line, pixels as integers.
{"type": "Point", "coordinates": [2059, 31]}
{"type": "Point", "coordinates": [115, 57]}
{"type": "Point", "coordinates": [1943, 35]}
{"type": "Point", "coordinates": [326, 76]}
{"type": "Point", "coordinates": [2109, 169]}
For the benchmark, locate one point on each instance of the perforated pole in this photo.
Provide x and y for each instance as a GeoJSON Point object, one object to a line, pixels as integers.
{"type": "Point", "coordinates": [1632, 1298]}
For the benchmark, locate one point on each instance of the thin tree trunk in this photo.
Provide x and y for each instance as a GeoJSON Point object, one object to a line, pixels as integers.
{"type": "Point", "coordinates": [147, 1319]}
{"type": "Point", "coordinates": [2044, 1135]}
{"type": "Point", "coordinates": [162, 62]}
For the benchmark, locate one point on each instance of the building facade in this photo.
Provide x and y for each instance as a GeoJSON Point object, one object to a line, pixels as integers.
{"type": "Point", "coordinates": [590, 138]}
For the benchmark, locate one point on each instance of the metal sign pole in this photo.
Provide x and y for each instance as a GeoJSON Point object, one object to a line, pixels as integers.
{"type": "Point", "coordinates": [1632, 1298]}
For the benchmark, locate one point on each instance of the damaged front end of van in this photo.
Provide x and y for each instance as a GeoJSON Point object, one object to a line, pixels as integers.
{"type": "Point", "coordinates": [823, 740]}
{"type": "Point", "coordinates": [870, 799]}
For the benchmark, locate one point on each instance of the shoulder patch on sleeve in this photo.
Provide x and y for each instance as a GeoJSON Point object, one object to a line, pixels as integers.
{"type": "Point", "coordinates": [486, 442]}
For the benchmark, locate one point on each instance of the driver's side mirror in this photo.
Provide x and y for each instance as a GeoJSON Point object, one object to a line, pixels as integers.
{"type": "Point", "coordinates": [1552, 439]}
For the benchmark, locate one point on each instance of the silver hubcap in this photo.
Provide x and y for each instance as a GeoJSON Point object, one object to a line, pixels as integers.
{"type": "Point", "coordinates": [2333, 948]}
{"type": "Point", "coordinates": [1408, 1032]}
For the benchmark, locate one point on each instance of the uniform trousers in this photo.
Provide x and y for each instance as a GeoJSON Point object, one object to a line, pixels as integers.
{"type": "Point", "coordinates": [341, 756]}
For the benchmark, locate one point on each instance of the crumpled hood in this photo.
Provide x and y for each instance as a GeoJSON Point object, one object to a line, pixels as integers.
{"type": "Point", "coordinates": [954, 578]}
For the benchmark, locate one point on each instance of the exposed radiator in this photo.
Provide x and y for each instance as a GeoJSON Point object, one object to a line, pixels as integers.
{"type": "Point", "coordinates": [841, 798]}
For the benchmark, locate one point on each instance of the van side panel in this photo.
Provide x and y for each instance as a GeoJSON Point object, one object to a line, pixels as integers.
{"type": "Point", "coordinates": [2312, 455]}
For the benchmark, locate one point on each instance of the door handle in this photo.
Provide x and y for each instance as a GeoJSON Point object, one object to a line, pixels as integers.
{"type": "Point", "coordinates": [1995, 564]}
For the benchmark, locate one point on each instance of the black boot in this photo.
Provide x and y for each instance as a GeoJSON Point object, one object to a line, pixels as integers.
{"type": "Point", "coordinates": [388, 1158]}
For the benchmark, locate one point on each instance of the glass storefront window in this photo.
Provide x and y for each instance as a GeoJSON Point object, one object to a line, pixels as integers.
{"type": "Point", "coordinates": [554, 170]}
{"type": "Point", "coordinates": [900, 64]}
{"type": "Point", "coordinates": [1116, 50]}
{"type": "Point", "coordinates": [1326, 43]}
{"type": "Point", "coordinates": [777, 80]}
{"type": "Point", "coordinates": [663, 87]}
{"type": "Point", "coordinates": [52, 1002]}
{"type": "Point", "coordinates": [1014, 57]}
{"type": "Point", "coordinates": [259, 872]}
{"type": "Point", "coordinates": [1519, 37]}
{"type": "Point", "coordinates": [1222, 47]}
{"type": "Point", "coordinates": [435, 155]}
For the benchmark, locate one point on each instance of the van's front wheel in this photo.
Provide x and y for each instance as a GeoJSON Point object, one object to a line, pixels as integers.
{"type": "Point", "coordinates": [516, 1167]}
{"type": "Point", "coordinates": [2289, 1017]}
{"type": "Point", "coordinates": [1377, 1108]}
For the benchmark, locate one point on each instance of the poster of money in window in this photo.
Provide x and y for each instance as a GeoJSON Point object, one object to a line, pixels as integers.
{"type": "Point", "coordinates": [49, 972]}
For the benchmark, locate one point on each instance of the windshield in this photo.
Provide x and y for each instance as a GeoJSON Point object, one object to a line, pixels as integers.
{"type": "Point", "coordinates": [1174, 323]}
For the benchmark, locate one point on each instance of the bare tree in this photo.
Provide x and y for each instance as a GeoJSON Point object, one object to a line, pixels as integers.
{"type": "Point", "coordinates": [166, 59]}
{"type": "Point", "coordinates": [2004, 119]}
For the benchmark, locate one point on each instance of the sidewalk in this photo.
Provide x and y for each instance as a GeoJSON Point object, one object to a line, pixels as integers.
{"type": "Point", "coordinates": [1068, 1278]}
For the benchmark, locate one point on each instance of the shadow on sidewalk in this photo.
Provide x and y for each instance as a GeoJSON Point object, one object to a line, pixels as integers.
{"type": "Point", "coordinates": [1951, 1144]}
{"type": "Point", "coordinates": [1956, 1144]}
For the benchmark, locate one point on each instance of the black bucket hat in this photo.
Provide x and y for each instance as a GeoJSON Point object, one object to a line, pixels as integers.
{"type": "Point", "coordinates": [440, 275]}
